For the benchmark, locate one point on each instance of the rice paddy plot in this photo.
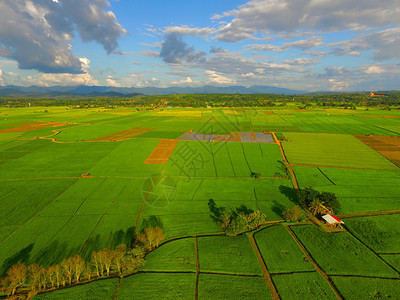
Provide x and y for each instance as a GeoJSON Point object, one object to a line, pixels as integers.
{"type": "Point", "coordinates": [130, 199]}
{"type": "Point", "coordinates": [145, 285]}
{"type": "Point", "coordinates": [233, 255]}
{"type": "Point", "coordinates": [102, 289]}
{"type": "Point", "coordinates": [303, 286]}
{"type": "Point", "coordinates": [25, 243]}
{"type": "Point", "coordinates": [23, 199]}
{"type": "Point", "coordinates": [44, 158]}
{"type": "Point", "coordinates": [311, 176]}
{"type": "Point", "coordinates": [104, 195]}
{"type": "Point", "coordinates": [332, 150]}
{"type": "Point", "coordinates": [367, 204]}
{"type": "Point", "coordinates": [113, 230]}
{"type": "Point", "coordinates": [393, 260]}
{"type": "Point", "coordinates": [367, 288]}
{"type": "Point", "coordinates": [282, 256]}
{"type": "Point", "coordinates": [178, 255]}
{"type": "Point", "coordinates": [62, 246]}
{"type": "Point", "coordinates": [184, 225]}
{"type": "Point", "coordinates": [126, 160]}
{"type": "Point", "coordinates": [341, 254]}
{"type": "Point", "coordinates": [380, 233]}
{"type": "Point", "coordinates": [212, 286]}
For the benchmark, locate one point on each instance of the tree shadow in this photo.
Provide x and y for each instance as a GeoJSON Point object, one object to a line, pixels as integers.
{"type": "Point", "coordinates": [151, 222]}
{"type": "Point", "coordinates": [278, 208]}
{"type": "Point", "coordinates": [216, 212]}
{"type": "Point", "coordinates": [21, 256]}
{"type": "Point", "coordinates": [290, 193]}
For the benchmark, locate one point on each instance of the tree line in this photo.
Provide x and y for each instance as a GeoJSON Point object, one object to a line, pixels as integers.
{"type": "Point", "coordinates": [121, 261]}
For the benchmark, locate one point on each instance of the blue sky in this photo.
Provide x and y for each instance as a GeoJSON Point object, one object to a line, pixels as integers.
{"type": "Point", "coordinates": [302, 44]}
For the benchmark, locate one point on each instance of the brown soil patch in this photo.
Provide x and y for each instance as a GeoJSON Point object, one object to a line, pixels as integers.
{"type": "Point", "coordinates": [268, 112]}
{"type": "Point", "coordinates": [24, 127]}
{"type": "Point", "coordinates": [388, 146]}
{"type": "Point", "coordinates": [122, 135]}
{"type": "Point", "coordinates": [162, 152]}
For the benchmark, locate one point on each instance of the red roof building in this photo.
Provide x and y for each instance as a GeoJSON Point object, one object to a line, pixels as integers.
{"type": "Point", "coordinates": [331, 219]}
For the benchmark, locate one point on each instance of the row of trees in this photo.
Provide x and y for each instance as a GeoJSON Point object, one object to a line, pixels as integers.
{"type": "Point", "coordinates": [121, 261]}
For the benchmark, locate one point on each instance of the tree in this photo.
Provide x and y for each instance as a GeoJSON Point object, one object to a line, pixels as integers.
{"type": "Point", "coordinates": [293, 214]}
{"type": "Point", "coordinates": [79, 266]}
{"type": "Point", "coordinates": [16, 276]}
{"type": "Point", "coordinates": [67, 266]}
{"type": "Point", "coordinates": [330, 200]}
{"type": "Point", "coordinates": [95, 261]}
{"type": "Point", "coordinates": [307, 195]}
{"type": "Point", "coordinates": [50, 274]}
{"type": "Point", "coordinates": [36, 274]}
{"type": "Point", "coordinates": [317, 207]}
{"type": "Point", "coordinates": [119, 253]}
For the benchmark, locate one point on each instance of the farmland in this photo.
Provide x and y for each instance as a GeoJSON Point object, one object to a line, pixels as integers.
{"type": "Point", "coordinates": [74, 181]}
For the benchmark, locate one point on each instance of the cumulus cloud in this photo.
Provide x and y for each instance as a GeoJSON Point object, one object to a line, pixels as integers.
{"type": "Point", "coordinates": [219, 78]}
{"type": "Point", "coordinates": [385, 43]}
{"type": "Point", "coordinates": [36, 33]}
{"type": "Point", "coordinates": [174, 50]}
{"type": "Point", "coordinates": [1, 78]}
{"type": "Point", "coordinates": [284, 16]}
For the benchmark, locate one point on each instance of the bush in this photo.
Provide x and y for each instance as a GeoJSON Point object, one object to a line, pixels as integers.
{"type": "Point", "coordinates": [294, 214]}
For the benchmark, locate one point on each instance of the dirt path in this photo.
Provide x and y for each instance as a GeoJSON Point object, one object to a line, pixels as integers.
{"type": "Point", "coordinates": [310, 259]}
{"type": "Point", "coordinates": [266, 275]}
{"type": "Point", "coordinates": [116, 291]}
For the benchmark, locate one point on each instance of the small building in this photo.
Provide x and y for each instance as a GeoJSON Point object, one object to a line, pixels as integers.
{"type": "Point", "coordinates": [332, 220]}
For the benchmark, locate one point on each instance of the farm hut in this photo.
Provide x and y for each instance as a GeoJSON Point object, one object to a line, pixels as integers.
{"type": "Point", "coordinates": [332, 220]}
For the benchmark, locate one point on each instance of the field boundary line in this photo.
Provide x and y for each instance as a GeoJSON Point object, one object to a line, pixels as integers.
{"type": "Point", "coordinates": [289, 273]}
{"type": "Point", "coordinates": [195, 192]}
{"type": "Point", "coordinates": [196, 288]}
{"type": "Point", "coordinates": [62, 227]}
{"type": "Point", "coordinates": [325, 176]}
{"type": "Point", "coordinates": [116, 291]}
{"type": "Point", "coordinates": [213, 159]}
{"type": "Point", "coordinates": [37, 213]}
{"type": "Point", "coordinates": [104, 214]}
{"type": "Point", "coordinates": [309, 257]}
{"type": "Point", "coordinates": [266, 275]}
{"type": "Point", "coordinates": [370, 214]}
{"type": "Point", "coordinates": [337, 167]}
{"type": "Point", "coordinates": [245, 158]}
{"type": "Point", "coordinates": [364, 276]}
{"type": "Point", "coordinates": [230, 160]}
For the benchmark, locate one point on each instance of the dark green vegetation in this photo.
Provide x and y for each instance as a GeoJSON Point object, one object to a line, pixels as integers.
{"type": "Point", "coordinates": [63, 193]}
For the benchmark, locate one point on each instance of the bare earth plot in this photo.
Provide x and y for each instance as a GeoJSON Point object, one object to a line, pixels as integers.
{"type": "Point", "coordinates": [240, 137]}
{"type": "Point", "coordinates": [162, 152]}
{"type": "Point", "coordinates": [122, 135]}
{"type": "Point", "coordinates": [388, 146]}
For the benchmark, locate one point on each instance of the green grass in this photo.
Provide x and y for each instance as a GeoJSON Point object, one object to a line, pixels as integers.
{"type": "Point", "coordinates": [367, 288]}
{"type": "Point", "coordinates": [303, 286]}
{"type": "Point", "coordinates": [146, 286]}
{"type": "Point", "coordinates": [285, 256]}
{"type": "Point", "coordinates": [340, 253]}
{"type": "Point", "coordinates": [333, 150]}
{"type": "Point", "coordinates": [228, 255]}
{"type": "Point", "coordinates": [177, 255]}
{"type": "Point", "coordinates": [213, 286]}
{"type": "Point", "coordinates": [381, 233]}
{"type": "Point", "coordinates": [102, 289]}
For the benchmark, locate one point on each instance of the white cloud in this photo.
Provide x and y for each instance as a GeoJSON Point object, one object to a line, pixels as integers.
{"type": "Point", "coordinates": [36, 33]}
{"type": "Point", "coordinates": [186, 30]}
{"type": "Point", "coordinates": [111, 81]}
{"type": "Point", "coordinates": [219, 78]}
{"type": "Point", "coordinates": [186, 81]}
{"type": "Point", "coordinates": [289, 16]}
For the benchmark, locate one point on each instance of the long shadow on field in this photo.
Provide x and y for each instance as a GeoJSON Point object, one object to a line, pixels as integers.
{"type": "Point", "coordinates": [290, 193]}
{"type": "Point", "coordinates": [21, 256]}
{"type": "Point", "coordinates": [151, 222]}
{"type": "Point", "coordinates": [278, 208]}
{"type": "Point", "coordinates": [56, 251]}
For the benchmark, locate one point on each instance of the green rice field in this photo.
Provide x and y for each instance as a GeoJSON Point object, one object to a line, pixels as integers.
{"type": "Point", "coordinates": [76, 188]}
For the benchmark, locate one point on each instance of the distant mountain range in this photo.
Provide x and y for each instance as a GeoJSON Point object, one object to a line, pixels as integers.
{"type": "Point", "coordinates": [102, 91]}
